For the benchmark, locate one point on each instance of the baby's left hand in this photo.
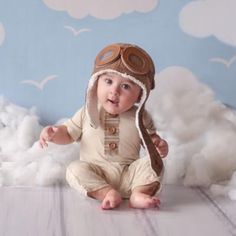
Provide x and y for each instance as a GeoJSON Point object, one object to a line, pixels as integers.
{"type": "Point", "coordinates": [161, 145]}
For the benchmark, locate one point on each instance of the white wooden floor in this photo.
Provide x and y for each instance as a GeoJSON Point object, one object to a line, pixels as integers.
{"type": "Point", "coordinates": [60, 211]}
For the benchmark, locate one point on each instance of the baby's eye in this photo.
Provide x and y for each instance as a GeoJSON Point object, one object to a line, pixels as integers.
{"type": "Point", "coordinates": [108, 81]}
{"type": "Point", "coordinates": [125, 86]}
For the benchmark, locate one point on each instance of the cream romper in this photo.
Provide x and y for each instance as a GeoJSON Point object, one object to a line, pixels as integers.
{"type": "Point", "coordinates": [110, 153]}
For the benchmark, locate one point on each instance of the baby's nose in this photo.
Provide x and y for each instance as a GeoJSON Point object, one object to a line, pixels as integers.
{"type": "Point", "coordinates": [115, 90]}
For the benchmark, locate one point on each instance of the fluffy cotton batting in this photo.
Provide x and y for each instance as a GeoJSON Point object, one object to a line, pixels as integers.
{"type": "Point", "coordinates": [199, 129]}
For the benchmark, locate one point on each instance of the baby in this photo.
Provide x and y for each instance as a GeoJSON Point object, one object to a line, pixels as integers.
{"type": "Point", "coordinates": [111, 128]}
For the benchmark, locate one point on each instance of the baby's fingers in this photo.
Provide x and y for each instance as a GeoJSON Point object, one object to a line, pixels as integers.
{"type": "Point", "coordinates": [43, 143]}
{"type": "Point", "coordinates": [163, 148]}
{"type": "Point", "coordinates": [50, 133]}
{"type": "Point", "coordinates": [163, 153]}
{"type": "Point", "coordinates": [54, 129]}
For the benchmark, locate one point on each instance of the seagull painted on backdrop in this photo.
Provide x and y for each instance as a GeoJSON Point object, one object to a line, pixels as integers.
{"type": "Point", "coordinates": [40, 84]}
{"type": "Point", "coordinates": [76, 32]}
{"type": "Point", "coordinates": [223, 61]}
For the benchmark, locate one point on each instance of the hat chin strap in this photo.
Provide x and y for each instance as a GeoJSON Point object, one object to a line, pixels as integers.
{"type": "Point", "coordinates": [155, 158]}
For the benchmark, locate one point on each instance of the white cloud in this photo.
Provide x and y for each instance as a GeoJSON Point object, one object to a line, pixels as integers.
{"type": "Point", "coordinates": [187, 114]}
{"type": "Point", "coordinates": [210, 18]}
{"type": "Point", "coordinates": [101, 9]}
{"type": "Point", "coordinates": [2, 33]}
{"type": "Point", "coordinates": [22, 161]}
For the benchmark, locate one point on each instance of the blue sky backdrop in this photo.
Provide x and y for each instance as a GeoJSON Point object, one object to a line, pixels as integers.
{"type": "Point", "coordinates": [56, 41]}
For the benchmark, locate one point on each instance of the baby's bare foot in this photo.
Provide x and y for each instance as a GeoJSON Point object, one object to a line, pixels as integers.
{"type": "Point", "coordinates": [141, 200]}
{"type": "Point", "coordinates": [111, 200]}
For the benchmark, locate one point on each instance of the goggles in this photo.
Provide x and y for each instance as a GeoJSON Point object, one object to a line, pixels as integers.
{"type": "Point", "coordinates": [136, 60]}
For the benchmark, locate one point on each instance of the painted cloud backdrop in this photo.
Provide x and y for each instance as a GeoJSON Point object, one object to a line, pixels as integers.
{"type": "Point", "coordinates": [101, 9]}
{"type": "Point", "coordinates": [210, 18]}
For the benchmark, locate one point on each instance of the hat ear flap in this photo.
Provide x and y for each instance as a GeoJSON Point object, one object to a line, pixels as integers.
{"type": "Point", "coordinates": [155, 158]}
{"type": "Point", "coordinates": [92, 102]}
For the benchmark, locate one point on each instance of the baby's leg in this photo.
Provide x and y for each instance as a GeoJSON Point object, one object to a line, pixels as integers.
{"type": "Point", "coordinates": [110, 197]}
{"type": "Point", "coordinates": [85, 177]}
{"type": "Point", "coordinates": [142, 196]}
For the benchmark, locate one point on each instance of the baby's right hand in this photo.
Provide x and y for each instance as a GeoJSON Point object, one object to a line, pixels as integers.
{"type": "Point", "coordinates": [47, 135]}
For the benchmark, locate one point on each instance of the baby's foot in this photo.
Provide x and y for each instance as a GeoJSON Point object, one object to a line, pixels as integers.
{"type": "Point", "coordinates": [111, 200]}
{"type": "Point", "coordinates": [141, 200]}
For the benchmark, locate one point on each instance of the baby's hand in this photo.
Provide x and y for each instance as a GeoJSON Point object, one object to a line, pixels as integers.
{"type": "Point", "coordinates": [47, 135]}
{"type": "Point", "coordinates": [161, 145]}
{"type": "Point", "coordinates": [163, 148]}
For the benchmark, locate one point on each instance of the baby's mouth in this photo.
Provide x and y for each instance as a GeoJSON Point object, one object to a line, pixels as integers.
{"type": "Point", "coordinates": [115, 102]}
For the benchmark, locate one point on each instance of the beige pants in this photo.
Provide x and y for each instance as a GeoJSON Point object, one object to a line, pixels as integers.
{"type": "Point", "coordinates": [87, 177]}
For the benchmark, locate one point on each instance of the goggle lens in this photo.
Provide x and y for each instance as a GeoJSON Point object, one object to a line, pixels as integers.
{"type": "Point", "coordinates": [136, 61]}
{"type": "Point", "coordinates": [107, 56]}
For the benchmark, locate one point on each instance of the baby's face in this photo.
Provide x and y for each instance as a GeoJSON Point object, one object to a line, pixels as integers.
{"type": "Point", "coordinates": [117, 94]}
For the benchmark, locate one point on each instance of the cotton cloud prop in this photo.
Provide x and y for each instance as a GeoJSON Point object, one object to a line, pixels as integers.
{"type": "Point", "coordinates": [110, 8]}
{"type": "Point", "coordinates": [2, 34]}
{"type": "Point", "coordinates": [201, 19]}
{"type": "Point", "coordinates": [22, 161]}
{"type": "Point", "coordinates": [199, 129]}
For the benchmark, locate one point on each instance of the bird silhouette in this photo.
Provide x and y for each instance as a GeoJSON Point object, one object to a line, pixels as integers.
{"type": "Point", "coordinates": [76, 32]}
{"type": "Point", "coordinates": [2, 33]}
{"type": "Point", "coordinates": [40, 84]}
{"type": "Point", "coordinates": [223, 61]}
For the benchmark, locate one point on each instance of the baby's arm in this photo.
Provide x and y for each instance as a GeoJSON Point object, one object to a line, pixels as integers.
{"type": "Point", "coordinates": [55, 134]}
